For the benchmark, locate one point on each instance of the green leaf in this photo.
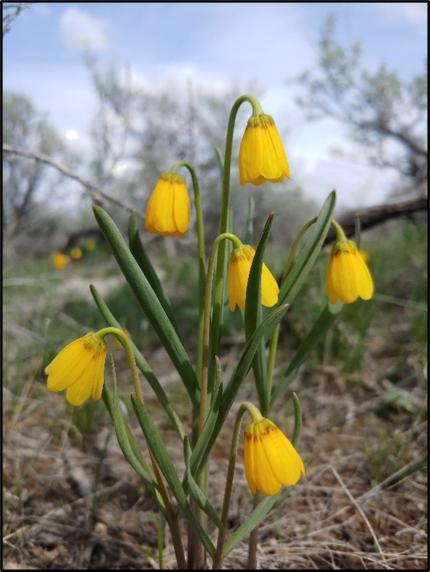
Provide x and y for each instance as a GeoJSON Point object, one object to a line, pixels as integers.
{"type": "Point", "coordinates": [320, 327]}
{"type": "Point", "coordinates": [196, 491]}
{"type": "Point", "coordinates": [297, 420]}
{"type": "Point", "coordinates": [159, 451]}
{"type": "Point", "coordinates": [253, 316]}
{"type": "Point", "coordinates": [308, 255]}
{"type": "Point", "coordinates": [142, 364]}
{"type": "Point", "coordinates": [223, 403]}
{"type": "Point", "coordinates": [149, 302]}
{"type": "Point", "coordinates": [254, 519]}
{"type": "Point", "coordinates": [124, 437]}
{"type": "Point", "coordinates": [145, 264]}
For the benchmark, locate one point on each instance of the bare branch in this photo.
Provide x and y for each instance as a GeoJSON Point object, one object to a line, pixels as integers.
{"type": "Point", "coordinates": [373, 216]}
{"type": "Point", "coordinates": [98, 196]}
{"type": "Point", "coordinates": [11, 11]}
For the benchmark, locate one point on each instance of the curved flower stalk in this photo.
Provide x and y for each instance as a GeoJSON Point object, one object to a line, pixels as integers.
{"type": "Point", "coordinates": [80, 367]}
{"type": "Point", "coordinates": [168, 208]}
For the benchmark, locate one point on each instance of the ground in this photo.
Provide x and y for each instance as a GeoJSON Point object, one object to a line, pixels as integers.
{"type": "Point", "coordinates": [71, 500]}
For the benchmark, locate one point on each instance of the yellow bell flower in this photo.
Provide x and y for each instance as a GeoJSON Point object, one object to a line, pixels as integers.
{"type": "Point", "coordinates": [239, 267]}
{"type": "Point", "coordinates": [79, 367]}
{"type": "Point", "coordinates": [270, 459]}
{"type": "Point", "coordinates": [261, 154]}
{"type": "Point", "coordinates": [76, 253]}
{"type": "Point", "coordinates": [90, 244]}
{"type": "Point", "coordinates": [168, 208]}
{"type": "Point", "coordinates": [60, 260]}
{"type": "Point", "coordinates": [348, 276]}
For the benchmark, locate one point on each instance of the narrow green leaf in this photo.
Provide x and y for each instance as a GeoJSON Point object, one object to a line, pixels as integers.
{"type": "Point", "coordinates": [124, 436]}
{"type": "Point", "coordinates": [139, 253]}
{"type": "Point", "coordinates": [159, 451]}
{"type": "Point", "coordinates": [254, 519]}
{"type": "Point", "coordinates": [320, 327]}
{"type": "Point", "coordinates": [218, 385]}
{"type": "Point", "coordinates": [196, 491]}
{"type": "Point", "coordinates": [149, 302]}
{"type": "Point", "coordinates": [253, 316]}
{"type": "Point", "coordinates": [297, 420]}
{"type": "Point", "coordinates": [223, 403]}
{"type": "Point", "coordinates": [308, 255]}
{"type": "Point", "coordinates": [142, 364]}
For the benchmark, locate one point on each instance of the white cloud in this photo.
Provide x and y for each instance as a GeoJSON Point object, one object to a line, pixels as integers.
{"type": "Point", "coordinates": [81, 30]}
{"type": "Point", "coordinates": [413, 12]}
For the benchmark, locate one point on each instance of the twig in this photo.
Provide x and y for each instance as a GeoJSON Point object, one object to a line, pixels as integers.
{"type": "Point", "coordinates": [373, 216]}
{"type": "Point", "coordinates": [99, 196]}
{"type": "Point", "coordinates": [360, 511]}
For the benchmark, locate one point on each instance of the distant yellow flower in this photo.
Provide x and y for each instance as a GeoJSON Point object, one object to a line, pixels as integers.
{"type": "Point", "coordinates": [168, 208]}
{"type": "Point", "coordinates": [76, 253]}
{"type": "Point", "coordinates": [270, 459]}
{"type": "Point", "coordinates": [90, 244]}
{"type": "Point", "coordinates": [261, 154]}
{"type": "Point", "coordinates": [79, 367]}
{"type": "Point", "coordinates": [348, 276]}
{"type": "Point", "coordinates": [239, 267]}
{"type": "Point", "coordinates": [60, 260]}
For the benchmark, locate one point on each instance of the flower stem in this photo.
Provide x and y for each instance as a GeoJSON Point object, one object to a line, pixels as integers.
{"type": "Point", "coordinates": [340, 234]}
{"type": "Point", "coordinates": [256, 416]}
{"type": "Point", "coordinates": [219, 283]}
{"type": "Point", "coordinates": [172, 521]}
{"type": "Point", "coordinates": [201, 250]}
{"type": "Point", "coordinates": [126, 344]}
{"type": "Point", "coordinates": [202, 367]}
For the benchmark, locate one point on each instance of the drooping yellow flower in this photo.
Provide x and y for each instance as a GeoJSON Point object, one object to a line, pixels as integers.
{"type": "Point", "coordinates": [90, 244]}
{"type": "Point", "coordinates": [270, 459]}
{"type": "Point", "coordinates": [79, 367]}
{"type": "Point", "coordinates": [76, 253]}
{"type": "Point", "coordinates": [261, 154]}
{"type": "Point", "coordinates": [348, 276]}
{"type": "Point", "coordinates": [168, 208]}
{"type": "Point", "coordinates": [60, 260]}
{"type": "Point", "coordinates": [239, 267]}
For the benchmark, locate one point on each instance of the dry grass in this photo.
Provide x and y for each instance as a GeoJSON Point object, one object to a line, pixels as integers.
{"type": "Point", "coordinates": [73, 502]}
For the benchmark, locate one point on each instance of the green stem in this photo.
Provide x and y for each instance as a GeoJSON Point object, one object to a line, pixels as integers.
{"type": "Point", "coordinates": [197, 203]}
{"type": "Point", "coordinates": [275, 336]}
{"type": "Point", "coordinates": [201, 249]}
{"type": "Point", "coordinates": [256, 416]}
{"type": "Point", "coordinates": [340, 234]}
{"type": "Point", "coordinates": [172, 521]}
{"type": "Point", "coordinates": [219, 283]}
{"type": "Point", "coordinates": [253, 539]}
{"type": "Point", "coordinates": [203, 367]}
{"type": "Point", "coordinates": [125, 342]}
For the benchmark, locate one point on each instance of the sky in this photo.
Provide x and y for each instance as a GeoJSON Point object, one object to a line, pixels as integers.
{"type": "Point", "coordinates": [215, 45]}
